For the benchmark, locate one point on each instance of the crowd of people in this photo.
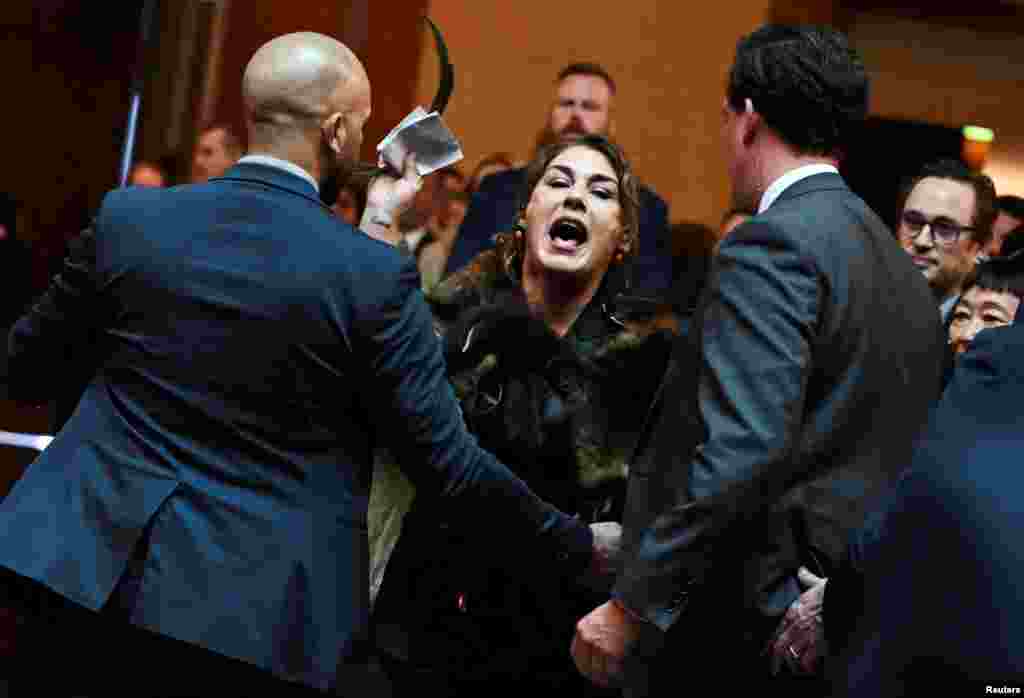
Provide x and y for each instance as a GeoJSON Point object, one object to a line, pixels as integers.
{"type": "Point", "coordinates": [515, 430]}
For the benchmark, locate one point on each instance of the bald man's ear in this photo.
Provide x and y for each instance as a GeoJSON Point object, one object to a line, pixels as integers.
{"type": "Point", "coordinates": [334, 132]}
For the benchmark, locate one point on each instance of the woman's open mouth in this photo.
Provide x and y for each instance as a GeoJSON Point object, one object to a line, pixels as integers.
{"type": "Point", "coordinates": [567, 234]}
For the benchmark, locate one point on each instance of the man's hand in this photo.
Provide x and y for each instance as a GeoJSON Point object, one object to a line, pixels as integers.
{"type": "Point", "coordinates": [392, 196]}
{"type": "Point", "coordinates": [800, 638]}
{"type": "Point", "coordinates": [602, 640]}
{"type": "Point", "coordinates": [387, 198]}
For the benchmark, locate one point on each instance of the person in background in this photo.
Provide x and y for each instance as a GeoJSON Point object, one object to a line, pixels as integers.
{"type": "Point", "coordinates": [452, 179]}
{"type": "Point", "coordinates": [217, 149]}
{"type": "Point", "coordinates": [583, 104]}
{"type": "Point", "coordinates": [492, 164]}
{"type": "Point", "coordinates": [147, 174]}
{"type": "Point", "coordinates": [991, 297]}
{"type": "Point", "coordinates": [945, 222]}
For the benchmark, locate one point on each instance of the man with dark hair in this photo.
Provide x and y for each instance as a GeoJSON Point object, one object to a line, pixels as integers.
{"type": "Point", "coordinates": [1010, 217]}
{"type": "Point", "coordinates": [945, 221]}
{"type": "Point", "coordinates": [583, 104]}
{"type": "Point", "coordinates": [769, 440]}
{"type": "Point", "coordinates": [217, 149]}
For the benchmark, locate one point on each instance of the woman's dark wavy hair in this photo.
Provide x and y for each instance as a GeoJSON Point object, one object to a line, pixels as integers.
{"type": "Point", "coordinates": [511, 248]}
{"type": "Point", "coordinates": [806, 82]}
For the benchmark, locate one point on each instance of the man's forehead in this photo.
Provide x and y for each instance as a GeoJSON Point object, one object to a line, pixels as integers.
{"type": "Point", "coordinates": [937, 196]}
{"type": "Point", "coordinates": [592, 86]}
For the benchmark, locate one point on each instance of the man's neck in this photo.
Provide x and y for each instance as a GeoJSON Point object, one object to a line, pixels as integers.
{"type": "Point", "coordinates": [296, 153]}
{"type": "Point", "coordinates": [780, 164]}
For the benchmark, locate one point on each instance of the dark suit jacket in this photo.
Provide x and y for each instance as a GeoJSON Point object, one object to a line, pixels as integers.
{"type": "Point", "coordinates": [255, 351]}
{"type": "Point", "coordinates": [942, 603]}
{"type": "Point", "coordinates": [495, 207]}
{"type": "Point", "coordinates": [818, 352]}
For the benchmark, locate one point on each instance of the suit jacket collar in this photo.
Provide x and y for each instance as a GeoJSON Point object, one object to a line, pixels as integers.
{"type": "Point", "coordinates": [820, 182]}
{"type": "Point", "coordinates": [273, 177]}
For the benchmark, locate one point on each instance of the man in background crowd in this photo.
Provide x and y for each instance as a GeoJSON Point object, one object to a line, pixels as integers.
{"type": "Point", "coordinates": [945, 222]}
{"type": "Point", "coordinates": [217, 149]}
{"type": "Point", "coordinates": [147, 174]}
{"type": "Point", "coordinates": [583, 104]}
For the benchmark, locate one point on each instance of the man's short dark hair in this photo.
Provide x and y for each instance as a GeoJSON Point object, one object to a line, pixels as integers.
{"type": "Point", "coordinates": [587, 69]}
{"type": "Point", "coordinates": [806, 82]}
{"type": "Point", "coordinates": [1011, 206]}
{"type": "Point", "coordinates": [985, 211]}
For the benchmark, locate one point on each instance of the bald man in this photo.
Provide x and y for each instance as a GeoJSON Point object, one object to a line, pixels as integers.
{"type": "Point", "coordinates": [211, 487]}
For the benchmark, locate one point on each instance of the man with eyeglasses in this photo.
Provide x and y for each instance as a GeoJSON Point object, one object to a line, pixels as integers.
{"type": "Point", "coordinates": [945, 222]}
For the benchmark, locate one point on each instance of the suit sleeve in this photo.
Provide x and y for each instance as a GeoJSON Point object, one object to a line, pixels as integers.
{"type": "Point", "coordinates": [410, 393]}
{"type": "Point", "coordinates": [47, 344]}
{"type": "Point", "coordinates": [758, 326]}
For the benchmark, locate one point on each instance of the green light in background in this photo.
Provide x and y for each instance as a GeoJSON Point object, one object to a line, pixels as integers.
{"type": "Point", "coordinates": [979, 134]}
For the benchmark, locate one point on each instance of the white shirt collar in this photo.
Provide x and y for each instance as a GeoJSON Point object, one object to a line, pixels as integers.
{"type": "Point", "coordinates": [290, 167]}
{"type": "Point", "coordinates": [789, 179]}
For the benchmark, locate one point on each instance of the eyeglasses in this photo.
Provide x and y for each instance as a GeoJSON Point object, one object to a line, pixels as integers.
{"type": "Point", "coordinates": [942, 230]}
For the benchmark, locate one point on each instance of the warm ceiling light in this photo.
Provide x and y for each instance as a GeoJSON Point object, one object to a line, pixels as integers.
{"type": "Point", "coordinates": [979, 134]}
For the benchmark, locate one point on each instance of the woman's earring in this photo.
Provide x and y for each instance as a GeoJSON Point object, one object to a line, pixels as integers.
{"type": "Point", "coordinates": [619, 257]}
{"type": "Point", "coordinates": [519, 228]}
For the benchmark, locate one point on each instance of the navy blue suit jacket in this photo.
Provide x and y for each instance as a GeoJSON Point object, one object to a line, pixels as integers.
{"type": "Point", "coordinates": [495, 207]}
{"type": "Point", "coordinates": [942, 601]}
{"type": "Point", "coordinates": [255, 349]}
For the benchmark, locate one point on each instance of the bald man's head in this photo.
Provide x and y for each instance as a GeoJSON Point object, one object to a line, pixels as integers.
{"type": "Point", "coordinates": [307, 88]}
